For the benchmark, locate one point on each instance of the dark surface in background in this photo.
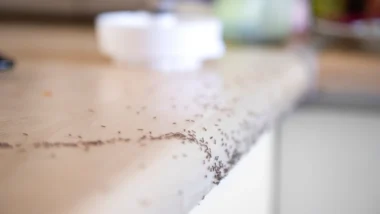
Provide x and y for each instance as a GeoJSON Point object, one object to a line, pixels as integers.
{"type": "Point", "coordinates": [63, 11]}
{"type": "Point", "coordinates": [346, 10]}
{"type": "Point", "coordinates": [79, 12]}
{"type": "Point", "coordinates": [355, 9]}
{"type": "Point", "coordinates": [355, 6]}
{"type": "Point", "coordinates": [56, 19]}
{"type": "Point", "coordinates": [5, 63]}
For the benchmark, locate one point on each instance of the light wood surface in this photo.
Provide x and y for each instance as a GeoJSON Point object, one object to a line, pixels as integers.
{"type": "Point", "coordinates": [80, 135]}
{"type": "Point", "coordinates": [349, 72]}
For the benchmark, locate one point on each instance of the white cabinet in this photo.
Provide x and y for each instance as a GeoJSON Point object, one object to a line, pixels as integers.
{"type": "Point", "coordinates": [330, 162]}
{"type": "Point", "coordinates": [248, 189]}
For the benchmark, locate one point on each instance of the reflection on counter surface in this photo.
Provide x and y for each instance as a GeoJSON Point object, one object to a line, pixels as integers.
{"type": "Point", "coordinates": [288, 119]}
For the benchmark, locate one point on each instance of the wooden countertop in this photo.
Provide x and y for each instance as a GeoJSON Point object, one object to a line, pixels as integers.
{"type": "Point", "coordinates": [79, 135]}
{"type": "Point", "coordinates": [349, 72]}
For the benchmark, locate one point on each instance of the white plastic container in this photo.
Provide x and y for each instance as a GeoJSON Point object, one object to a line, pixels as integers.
{"type": "Point", "coordinates": [162, 42]}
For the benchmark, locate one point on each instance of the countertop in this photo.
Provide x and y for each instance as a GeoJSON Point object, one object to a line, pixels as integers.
{"type": "Point", "coordinates": [349, 72]}
{"type": "Point", "coordinates": [80, 135]}
{"type": "Point", "coordinates": [348, 78]}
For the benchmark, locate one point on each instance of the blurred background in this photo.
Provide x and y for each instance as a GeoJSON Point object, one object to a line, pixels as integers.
{"type": "Point", "coordinates": [329, 153]}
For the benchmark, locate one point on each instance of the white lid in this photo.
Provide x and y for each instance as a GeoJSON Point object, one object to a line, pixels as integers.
{"type": "Point", "coordinates": [162, 42]}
